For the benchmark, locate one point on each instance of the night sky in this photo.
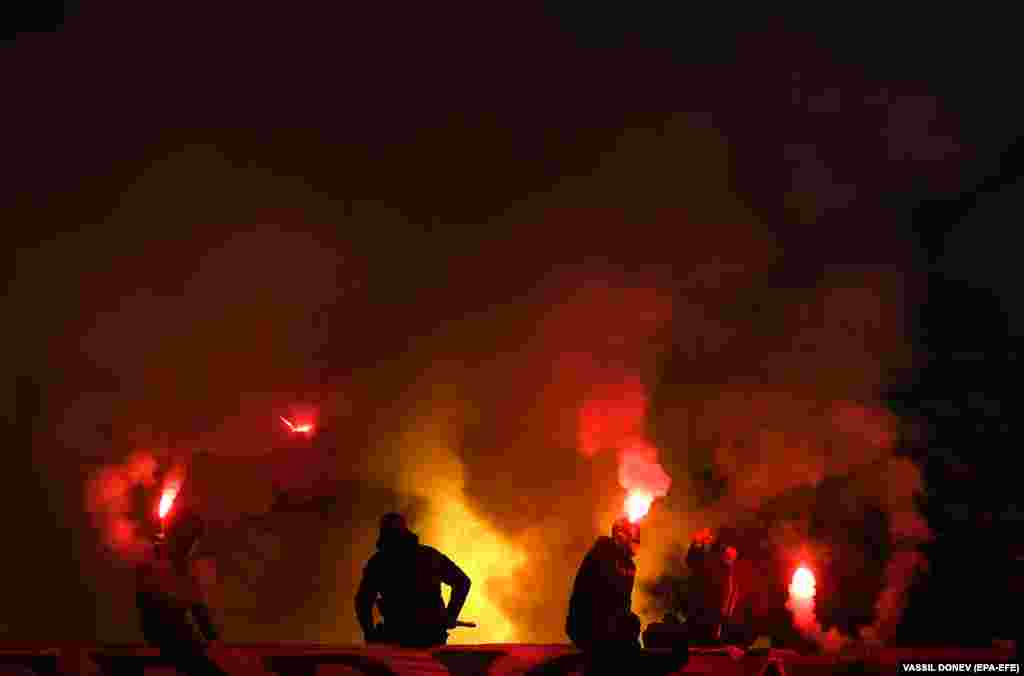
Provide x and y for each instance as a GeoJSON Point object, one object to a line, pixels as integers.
{"type": "Point", "coordinates": [442, 233]}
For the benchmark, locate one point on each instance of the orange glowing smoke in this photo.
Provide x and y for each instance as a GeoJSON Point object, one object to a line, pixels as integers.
{"type": "Point", "coordinates": [302, 428]}
{"type": "Point", "coordinates": [803, 586]}
{"type": "Point", "coordinates": [638, 503]}
{"type": "Point", "coordinates": [433, 470]}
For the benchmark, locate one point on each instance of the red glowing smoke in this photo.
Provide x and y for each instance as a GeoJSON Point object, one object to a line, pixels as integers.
{"type": "Point", "coordinates": [639, 469]}
{"type": "Point", "coordinates": [109, 501]}
{"type": "Point", "coordinates": [613, 417]}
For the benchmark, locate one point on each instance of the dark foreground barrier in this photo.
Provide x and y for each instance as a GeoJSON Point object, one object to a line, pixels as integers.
{"type": "Point", "coordinates": [486, 660]}
{"type": "Point", "coordinates": [127, 661]}
{"type": "Point", "coordinates": [482, 660]}
{"type": "Point", "coordinates": [44, 662]}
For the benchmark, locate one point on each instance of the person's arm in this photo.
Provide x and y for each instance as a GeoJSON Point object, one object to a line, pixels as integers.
{"type": "Point", "coordinates": [365, 598]}
{"type": "Point", "coordinates": [454, 577]}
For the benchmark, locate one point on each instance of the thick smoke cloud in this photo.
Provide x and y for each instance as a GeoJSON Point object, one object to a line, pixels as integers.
{"type": "Point", "coordinates": [450, 383]}
{"type": "Point", "coordinates": [771, 446]}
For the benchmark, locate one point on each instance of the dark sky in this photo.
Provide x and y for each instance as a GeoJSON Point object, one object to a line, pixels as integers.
{"type": "Point", "coordinates": [439, 227]}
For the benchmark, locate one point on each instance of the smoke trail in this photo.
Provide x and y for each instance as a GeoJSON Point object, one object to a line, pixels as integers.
{"type": "Point", "coordinates": [901, 482]}
{"type": "Point", "coordinates": [899, 574]}
{"type": "Point", "coordinates": [614, 417]}
{"type": "Point", "coordinates": [639, 469]}
{"type": "Point", "coordinates": [611, 415]}
{"type": "Point", "coordinates": [778, 393]}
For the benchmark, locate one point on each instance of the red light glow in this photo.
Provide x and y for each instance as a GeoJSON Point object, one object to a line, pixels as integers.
{"type": "Point", "coordinates": [803, 585]}
{"type": "Point", "coordinates": [167, 500]}
{"type": "Point", "coordinates": [301, 428]}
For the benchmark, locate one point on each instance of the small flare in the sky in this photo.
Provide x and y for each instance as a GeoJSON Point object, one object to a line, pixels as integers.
{"type": "Point", "coordinates": [303, 428]}
{"type": "Point", "coordinates": [638, 504]}
{"type": "Point", "coordinates": [803, 585]}
{"type": "Point", "coordinates": [167, 500]}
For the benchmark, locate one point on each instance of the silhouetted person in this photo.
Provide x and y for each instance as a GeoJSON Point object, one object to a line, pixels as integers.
{"type": "Point", "coordinates": [601, 621]}
{"type": "Point", "coordinates": [713, 591]}
{"type": "Point", "coordinates": [403, 578]}
{"type": "Point", "coordinates": [600, 608]}
{"type": "Point", "coordinates": [173, 615]}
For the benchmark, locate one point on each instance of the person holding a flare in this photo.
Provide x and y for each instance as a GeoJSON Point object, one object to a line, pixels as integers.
{"type": "Point", "coordinates": [601, 621]}
{"type": "Point", "coordinates": [172, 612]}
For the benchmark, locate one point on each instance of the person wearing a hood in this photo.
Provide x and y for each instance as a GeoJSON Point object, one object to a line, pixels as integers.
{"type": "Point", "coordinates": [600, 612]}
{"type": "Point", "coordinates": [601, 621]}
{"type": "Point", "coordinates": [403, 578]}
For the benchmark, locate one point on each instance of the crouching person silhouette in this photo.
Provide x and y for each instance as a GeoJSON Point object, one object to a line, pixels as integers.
{"type": "Point", "coordinates": [601, 621]}
{"type": "Point", "coordinates": [403, 578]}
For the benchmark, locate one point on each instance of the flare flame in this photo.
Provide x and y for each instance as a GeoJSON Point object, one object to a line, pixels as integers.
{"type": "Point", "coordinates": [638, 503]}
{"type": "Point", "coordinates": [803, 586]}
{"type": "Point", "coordinates": [302, 428]}
{"type": "Point", "coordinates": [167, 497]}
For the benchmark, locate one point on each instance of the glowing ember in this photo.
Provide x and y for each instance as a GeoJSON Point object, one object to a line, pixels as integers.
{"type": "Point", "coordinates": [167, 500]}
{"type": "Point", "coordinates": [638, 504]}
{"type": "Point", "coordinates": [803, 585]}
{"type": "Point", "coordinates": [304, 428]}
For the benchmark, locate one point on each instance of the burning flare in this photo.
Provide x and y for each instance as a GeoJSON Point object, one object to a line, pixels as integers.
{"type": "Point", "coordinates": [803, 586]}
{"type": "Point", "coordinates": [802, 590]}
{"type": "Point", "coordinates": [638, 503]}
{"type": "Point", "coordinates": [304, 428]}
{"type": "Point", "coordinates": [170, 492]}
